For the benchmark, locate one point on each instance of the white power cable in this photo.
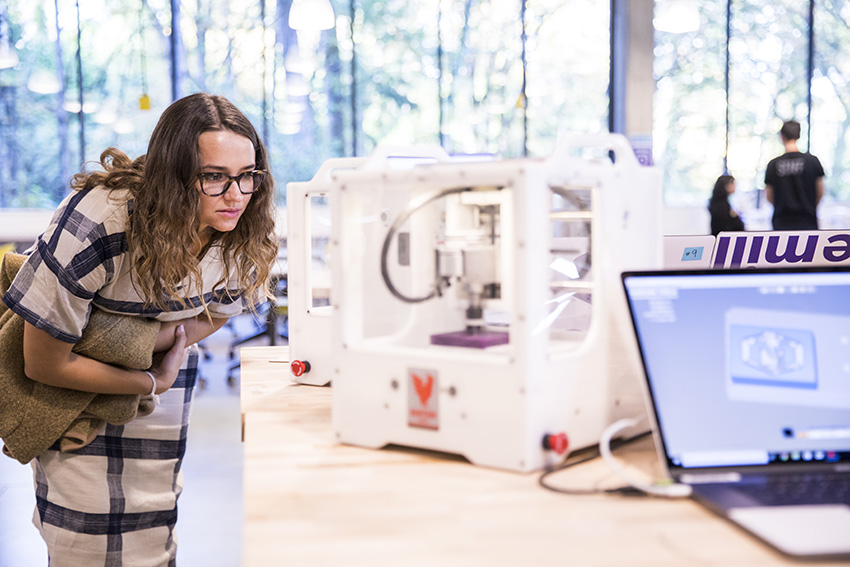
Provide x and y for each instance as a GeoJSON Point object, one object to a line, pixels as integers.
{"type": "Point", "coordinates": [670, 491]}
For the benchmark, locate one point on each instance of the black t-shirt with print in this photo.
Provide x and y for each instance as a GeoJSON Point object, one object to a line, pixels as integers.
{"type": "Point", "coordinates": [793, 177]}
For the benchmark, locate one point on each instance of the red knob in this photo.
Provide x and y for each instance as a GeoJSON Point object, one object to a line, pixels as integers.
{"type": "Point", "coordinates": [298, 367]}
{"type": "Point", "coordinates": [558, 443]}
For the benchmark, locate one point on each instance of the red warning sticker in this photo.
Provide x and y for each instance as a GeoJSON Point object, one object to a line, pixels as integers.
{"type": "Point", "coordinates": [422, 388]}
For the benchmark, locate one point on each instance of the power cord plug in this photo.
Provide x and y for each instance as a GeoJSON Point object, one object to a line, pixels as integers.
{"type": "Point", "coordinates": [673, 490]}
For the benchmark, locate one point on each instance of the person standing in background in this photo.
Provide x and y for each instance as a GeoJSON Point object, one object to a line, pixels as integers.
{"type": "Point", "coordinates": [793, 184]}
{"type": "Point", "coordinates": [723, 216]}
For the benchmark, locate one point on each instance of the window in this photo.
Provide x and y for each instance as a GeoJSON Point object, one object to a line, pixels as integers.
{"type": "Point", "coordinates": [503, 77]}
{"type": "Point", "coordinates": [768, 51]}
{"type": "Point", "coordinates": [690, 107]}
{"type": "Point", "coordinates": [696, 134]}
{"type": "Point", "coordinates": [568, 70]}
{"type": "Point", "coordinates": [830, 132]}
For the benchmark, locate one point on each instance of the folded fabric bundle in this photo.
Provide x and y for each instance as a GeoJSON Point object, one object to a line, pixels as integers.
{"type": "Point", "coordinates": [34, 416]}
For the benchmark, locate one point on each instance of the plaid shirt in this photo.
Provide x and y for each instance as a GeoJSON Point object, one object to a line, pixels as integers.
{"type": "Point", "coordinates": [114, 502]}
{"type": "Point", "coordinates": [82, 259]}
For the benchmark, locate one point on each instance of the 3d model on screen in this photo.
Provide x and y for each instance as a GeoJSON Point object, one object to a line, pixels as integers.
{"type": "Point", "coordinates": [771, 356]}
{"type": "Point", "coordinates": [790, 356]}
{"type": "Point", "coordinates": [772, 352]}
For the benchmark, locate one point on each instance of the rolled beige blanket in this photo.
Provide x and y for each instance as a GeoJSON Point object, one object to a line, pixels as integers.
{"type": "Point", "coordinates": [33, 416]}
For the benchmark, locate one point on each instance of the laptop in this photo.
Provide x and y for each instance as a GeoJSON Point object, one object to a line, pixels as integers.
{"type": "Point", "coordinates": [748, 375]}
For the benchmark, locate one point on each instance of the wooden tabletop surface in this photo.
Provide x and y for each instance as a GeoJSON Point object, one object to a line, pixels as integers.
{"type": "Point", "coordinates": [311, 501]}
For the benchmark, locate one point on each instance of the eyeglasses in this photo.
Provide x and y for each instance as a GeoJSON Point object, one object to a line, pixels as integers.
{"type": "Point", "coordinates": [214, 183]}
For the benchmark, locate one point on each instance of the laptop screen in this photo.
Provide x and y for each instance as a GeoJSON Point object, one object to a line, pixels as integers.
{"type": "Point", "coordinates": [746, 367]}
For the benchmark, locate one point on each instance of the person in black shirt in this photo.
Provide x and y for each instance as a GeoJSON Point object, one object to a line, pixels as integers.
{"type": "Point", "coordinates": [793, 183]}
{"type": "Point", "coordinates": [723, 216]}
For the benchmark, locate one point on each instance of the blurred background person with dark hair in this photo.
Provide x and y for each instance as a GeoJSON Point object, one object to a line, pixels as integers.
{"type": "Point", "coordinates": [723, 216]}
{"type": "Point", "coordinates": [793, 183]}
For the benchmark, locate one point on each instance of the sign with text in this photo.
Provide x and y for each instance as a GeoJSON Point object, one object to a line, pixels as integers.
{"type": "Point", "coordinates": [781, 248]}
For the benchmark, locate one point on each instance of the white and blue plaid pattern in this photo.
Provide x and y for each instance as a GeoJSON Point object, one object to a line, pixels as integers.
{"type": "Point", "coordinates": [114, 502]}
{"type": "Point", "coordinates": [82, 260]}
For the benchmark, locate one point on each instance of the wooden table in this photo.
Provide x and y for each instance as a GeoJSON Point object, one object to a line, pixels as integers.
{"type": "Point", "coordinates": [310, 501]}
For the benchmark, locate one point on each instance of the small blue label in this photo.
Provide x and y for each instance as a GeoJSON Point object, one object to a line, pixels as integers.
{"type": "Point", "coordinates": [692, 253]}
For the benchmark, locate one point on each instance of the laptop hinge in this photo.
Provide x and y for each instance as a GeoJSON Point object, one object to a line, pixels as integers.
{"type": "Point", "coordinates": [710, 478]}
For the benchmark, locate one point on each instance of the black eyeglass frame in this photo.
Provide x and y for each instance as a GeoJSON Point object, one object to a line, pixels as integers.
{"type": "Point", "coordinates": [231, 178]}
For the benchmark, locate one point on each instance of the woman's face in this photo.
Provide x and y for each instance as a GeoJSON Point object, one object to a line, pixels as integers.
{"type": "Point", "coordinates": [730, 187]}
{"type": "Point", "coordinates": [224, 152]}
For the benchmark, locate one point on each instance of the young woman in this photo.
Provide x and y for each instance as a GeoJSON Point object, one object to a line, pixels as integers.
{"type": "Point", "coordinates": [184, 235]}
{"type": "Point", "coordinates": [723, 216]}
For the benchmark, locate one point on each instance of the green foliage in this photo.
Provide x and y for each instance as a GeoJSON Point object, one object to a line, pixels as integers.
{"type": "Point", "coordinates": [460, 83]}
{"type": "Point", "coordinates": [768, 61]}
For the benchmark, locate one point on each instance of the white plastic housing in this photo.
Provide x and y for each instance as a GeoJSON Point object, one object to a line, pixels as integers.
{"type": "Point", "coordinates": [570, 364]}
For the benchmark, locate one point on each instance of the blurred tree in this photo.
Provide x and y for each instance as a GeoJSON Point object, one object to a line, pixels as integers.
{"type": "Point", "coordinates": [831, 112]}
{"type": "Point", "coordinates": [402, 74]}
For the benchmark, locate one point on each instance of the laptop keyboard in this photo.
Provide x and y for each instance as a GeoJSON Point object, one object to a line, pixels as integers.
{"type": "Point", "coordinates": [783, 490]}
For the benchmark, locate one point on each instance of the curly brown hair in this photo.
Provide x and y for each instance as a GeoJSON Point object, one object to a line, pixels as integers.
{"type": "Point", "coordinates": [164, 246]}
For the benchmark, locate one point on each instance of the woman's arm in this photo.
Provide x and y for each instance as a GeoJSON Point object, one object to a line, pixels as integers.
{"type": "Point", "coordinates": [197, 329]}
{"type": "Point", "coordinates": [51, 361]}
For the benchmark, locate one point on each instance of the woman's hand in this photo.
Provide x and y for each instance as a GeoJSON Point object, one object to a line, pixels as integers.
{"type": "Point", "coordinates": [196, 328]}
{"type": "Point", "coordinates": [168, 368]}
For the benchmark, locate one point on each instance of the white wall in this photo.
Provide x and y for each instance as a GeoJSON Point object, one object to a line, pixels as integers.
{"type": "Point", "coordinates": [23, 225]}
{"type": "Point", "coordinates": [686, 220]}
